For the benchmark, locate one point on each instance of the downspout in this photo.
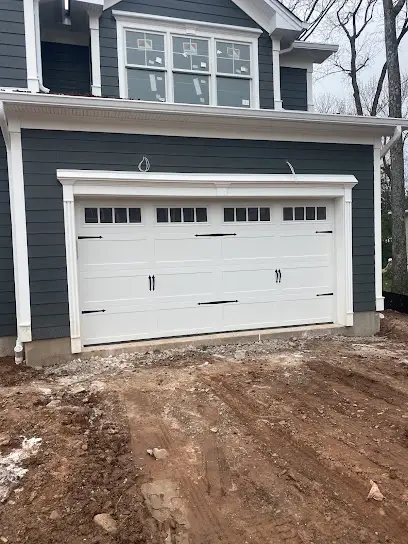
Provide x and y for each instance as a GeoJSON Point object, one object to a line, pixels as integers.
{"type": "Point", "coordinates": [18, 348]}
{"type": "Point", "coordinates": [38, 46]}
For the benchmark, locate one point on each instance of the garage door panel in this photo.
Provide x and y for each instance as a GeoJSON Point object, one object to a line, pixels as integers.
{"type": "Point", "coordinates": [249, 280]}
{"type": "Point", "coordinates": [172, 283]}
{"type": "Point", "coordinates": [248, 247]}
{"type": "Point", "coordinates": [306, 310]}
{"type": "Point", "coordinates": [253, 314]}
{"type": "Point", "coordinates": [114, 288]}
{"type": "Point", "coordinates": [305, 246]}
{"type": "Point", "coordinates": [188, 320]}
{"type": "Point", "coordinates": [121, 325]}
{"type": "Point", "coordinates": [115, 252]}
{"type": "Point", "coordinates": [180, 250]}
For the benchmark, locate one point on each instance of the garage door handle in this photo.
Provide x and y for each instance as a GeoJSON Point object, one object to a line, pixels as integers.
{"type": "Point", "coordinates": [154, 283]}
{"type": "Point", "coordinates": [276, 276]}
{"type": "Point", "coordinates": [150, 283]}
{"type": "Point", "coordinates": [280, 276]}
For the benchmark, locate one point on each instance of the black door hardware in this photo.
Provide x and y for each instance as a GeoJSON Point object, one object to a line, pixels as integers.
{"type": "Point", "coordinates": [89, 237]}
{"type": "Point", "coordinates": [276, 275]}
{"type": "Point", "coordinates": [154, 283]}
{"type": "Point", "coordinates": [94, 312]}
{"type": "Point", "coordinates": [324, 232]}
{"type": "Point", "coordinates": [325, 295]}
{"type": "Point", "coordinates": [150, 283]}
{"type": "Point", "coordinates": [215, 302]}
{"type": "Point", "coordinates": [215, 235]}
{"type": "Point", "coordinates": [280, 275]}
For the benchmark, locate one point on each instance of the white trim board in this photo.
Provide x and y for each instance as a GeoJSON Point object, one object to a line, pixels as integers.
{"type": "Point", "coordinates": [79, 183]}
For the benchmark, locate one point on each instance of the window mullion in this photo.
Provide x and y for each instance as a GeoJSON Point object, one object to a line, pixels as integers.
{"type": "Point", "coordinates": [169, 65]}
{"type": "Point", "coordinates": [213, 72]}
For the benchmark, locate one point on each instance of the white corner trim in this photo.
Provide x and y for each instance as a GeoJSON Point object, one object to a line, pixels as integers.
{"type": "Point", "coordinates": [19, 235]}
{"type": "Point", "coordinates": [95, 53]}
{"type": "Point", "coordinates": [79, 183]}
{"type": "Point", "coordinates": [277, 98]}
{"type": "Point", "coordinates": [379, 299]}
{"type": "Point", "coordinates": [33, 83]}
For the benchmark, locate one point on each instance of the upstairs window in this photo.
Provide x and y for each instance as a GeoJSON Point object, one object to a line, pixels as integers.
{"type": "Point", "coordinates": [205, 66]}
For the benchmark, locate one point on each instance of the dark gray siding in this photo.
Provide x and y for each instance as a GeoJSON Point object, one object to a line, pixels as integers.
{"type": "Point", "coordinates": [294, 88]}
{"type": "Point", "coordinates": [7, 301]}
{"type": "Point", "coordinates": [212, 11]}
{"type": "Point", "coordinates": [66, 68]}
{"type": "Point", "coordinates": [13, 68]}
{"type": "Point", "coordinates": [46, 151]}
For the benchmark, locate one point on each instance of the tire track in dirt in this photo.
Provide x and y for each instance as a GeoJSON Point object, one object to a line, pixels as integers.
{"type": "Point", "coordinates": [339, 488]}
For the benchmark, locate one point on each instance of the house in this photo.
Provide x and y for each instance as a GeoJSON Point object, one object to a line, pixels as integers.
{"type": "Point", "coordinates": [163, 174]}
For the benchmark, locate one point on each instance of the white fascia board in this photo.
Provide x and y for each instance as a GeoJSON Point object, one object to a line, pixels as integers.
{"type": "Point", "coordinates": [302, 52]}
{"type": "Point", "coordinates": [272, 16]}
{"type": "Point", "coordinates": [40, 106]}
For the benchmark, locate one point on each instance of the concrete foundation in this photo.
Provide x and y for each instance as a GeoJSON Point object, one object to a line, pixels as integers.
{"type": "Point", "coordinates": [365, 324]}
{"type": "Point", "coordinates": [50, 352]}
{"type": "Point", "coordinates": [7, 344]}
{"type": "Point", "coordinates": [41, 353]}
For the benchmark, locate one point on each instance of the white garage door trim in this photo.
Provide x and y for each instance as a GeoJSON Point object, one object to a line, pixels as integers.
{"type": "Point", "coordinates": [169, 185]}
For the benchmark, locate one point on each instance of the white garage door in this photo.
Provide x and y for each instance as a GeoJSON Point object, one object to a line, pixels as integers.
{"type": "Point", "coordinates": [161, 269]}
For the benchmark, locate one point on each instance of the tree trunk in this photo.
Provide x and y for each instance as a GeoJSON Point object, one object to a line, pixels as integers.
{"type": "Point", "coordinates": [399, 244]}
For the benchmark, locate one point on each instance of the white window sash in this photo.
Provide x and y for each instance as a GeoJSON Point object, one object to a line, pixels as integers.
{"type": "Point", "coordinates": [180, 28]}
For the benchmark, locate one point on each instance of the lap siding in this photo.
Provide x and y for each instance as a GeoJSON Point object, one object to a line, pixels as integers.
{"type": "Point", "coordinates": [46, 151]}
{"type": "Point", "coordinates": [12, 45]}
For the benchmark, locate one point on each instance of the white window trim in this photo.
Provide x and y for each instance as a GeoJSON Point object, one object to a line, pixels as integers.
{"type": "Point", "coordinates": [96, 184]}
{"type": "Point", "coordinates": [185, 27]}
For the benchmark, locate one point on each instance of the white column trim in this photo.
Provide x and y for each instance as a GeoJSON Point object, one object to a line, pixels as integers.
{"type": "Point", "coordinates": [33, 83]}
{"type": "Point", "coordinates": [379, 299]}
{"type": "Point", "coordinates": [309, 86]}
{"type": "Point", "coordinates": [276, 47]}
{"type": "Point", "coordinates": [19, 234]}
{"type": "Point", "coordinates": [72, 268]}
{"type": "Point", "coordinates": [95, 53]}
{"type": "Point", "coordinates": [79, 183]}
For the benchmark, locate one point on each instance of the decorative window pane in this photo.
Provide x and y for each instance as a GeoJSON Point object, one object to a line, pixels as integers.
{"type": "Point", "coordinates": [233, 58]}
{"type": "Point", "coordinates": [135, 215]}
{"type": "Point", "coordinates": [191, 89]}
{"type": "Point", "coordinates": [190, 54]}
{"type": "Point", "coordinates": [145, 49]}
{"type": "Point", "coordinates": [162, 215]}
{"type": "Point", "coordinates": [91, 215]}
{"type": "Point", "coordinates": [265, 214]}
{"type": "Point", "coordinates": [229, 214]}
{"type": "Point", "coordinates": [288, 214]}
{"type": "Point", "coordinates": [299, 214]}
{"type": "Point", "coordinates": [146, 85]}
{"type": "Point", "coordinates": [233, 92]}
{"type": "Point", "coordinates": [253, 214]}
{"type": "Point", "coordinates": [188, 215]}
{"type": "Point", "coordinates": [120, 215]}
{"type": "Point", "coordinates": [201, 215]}
{"type": "Point", "coordinates": [175, 215]}
{"type": "Point", "coordinates": [310, 214]}
{"type": "Point", "coordinates": [321, 213]}
{"type": "Point", "coordinates": [241, 214]}
{"type": "Point", "coordinates": [106, 215]}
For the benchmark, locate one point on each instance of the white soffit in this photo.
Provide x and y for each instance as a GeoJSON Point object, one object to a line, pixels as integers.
{"type": "Point", "coordinates": [309, 52]}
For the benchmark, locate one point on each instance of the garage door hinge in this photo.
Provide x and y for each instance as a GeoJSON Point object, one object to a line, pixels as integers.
{"type": "Point", "coordinates": [324, 232]}
{"type": "Point", "coordinates": [89, 237]}
{"type": "Point", "coordinates": [325, 295]}
{"type": "Point", "coordinates": [94, 312]}
{"type": "Point", "coordinates": [217, 302]}
{"type": "Point", "coordinates": [215, 235]}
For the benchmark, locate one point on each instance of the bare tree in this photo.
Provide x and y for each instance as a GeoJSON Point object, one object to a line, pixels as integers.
{"type": "Point", "coordinates": [399, 243]}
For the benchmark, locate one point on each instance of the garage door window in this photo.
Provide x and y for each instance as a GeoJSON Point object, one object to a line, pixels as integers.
{"type": "Point", "coordinates": [113, 215]}
{"type": "Point", "coordinates": [308, 213]}
{"type": "Point", "coordinates": [246, 214]}
{"type": "Point", "coordinates": [181, 215]}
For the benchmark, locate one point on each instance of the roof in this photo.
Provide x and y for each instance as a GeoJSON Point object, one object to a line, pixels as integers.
{"type": "Point", "coordinates": [309, 52]}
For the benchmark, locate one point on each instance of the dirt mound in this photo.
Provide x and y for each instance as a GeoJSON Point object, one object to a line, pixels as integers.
{"type": "Point", "coordinates": [12, 374]}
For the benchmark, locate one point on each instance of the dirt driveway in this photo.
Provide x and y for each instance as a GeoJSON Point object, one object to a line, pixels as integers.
{"type": "Point", "coordinates": [273, 442]}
